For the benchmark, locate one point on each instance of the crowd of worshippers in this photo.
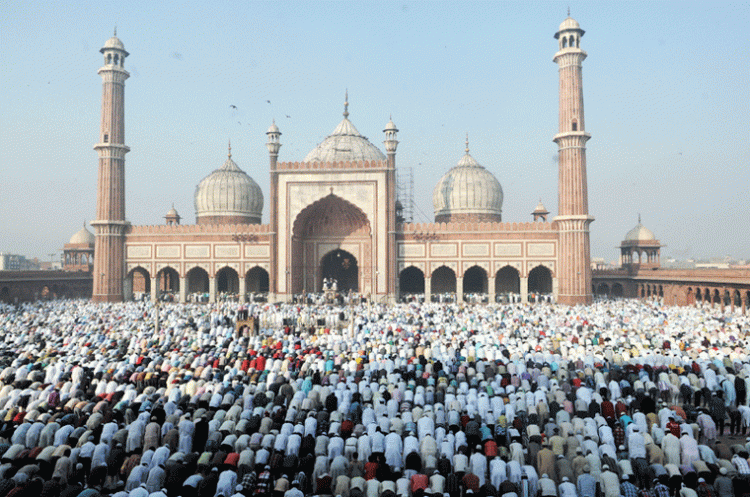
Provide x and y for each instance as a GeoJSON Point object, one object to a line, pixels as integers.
{"type": "Point", "coordinates": [615, 399]}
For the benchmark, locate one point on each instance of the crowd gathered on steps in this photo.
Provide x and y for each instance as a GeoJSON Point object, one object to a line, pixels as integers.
{"type": "Point", "coordinates": [623, 398]}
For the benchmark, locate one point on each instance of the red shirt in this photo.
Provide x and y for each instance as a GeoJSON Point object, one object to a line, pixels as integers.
{"type": "Point", "coordinates": [419, 482]}
{"type": "Point", "coordinates": [371, 469]}
{"type": "Point", "coordinates": [490, 448]}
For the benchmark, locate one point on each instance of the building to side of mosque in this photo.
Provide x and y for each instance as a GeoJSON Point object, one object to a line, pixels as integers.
{"type": "Point", "coordinates": [333, 218]}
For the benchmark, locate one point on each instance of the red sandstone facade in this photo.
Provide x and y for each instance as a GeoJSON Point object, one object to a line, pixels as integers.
{"type": "Point", "coordinates": [334, 215]}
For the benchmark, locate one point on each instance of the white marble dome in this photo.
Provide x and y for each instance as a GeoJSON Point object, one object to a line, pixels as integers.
{"type": "Point", "coordinates": [345, 144]}
{"type": "Point", "coordinates": [82, 237]}
{"type": "Point", "coordinates": [228, 193]}
{"type": "Point", "coordinates": [568, 24]}
{"type": "Point", "coordinates": [640, 234]}
{"type": "Point", "coordinates": [468, 192]}
{"type": "Point", "coordinates": [115, 43]}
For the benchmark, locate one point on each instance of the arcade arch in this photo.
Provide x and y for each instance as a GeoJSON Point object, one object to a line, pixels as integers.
{"type": "Point", "coordinates": [443, 281]}
{"type": "Point", "coordinates": [540, 281]}
{"type": "Point", "coordinates": [411, 281]}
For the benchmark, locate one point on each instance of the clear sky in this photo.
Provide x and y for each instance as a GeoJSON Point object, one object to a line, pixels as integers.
{"type": "Point", "coordinates": [666, 90]}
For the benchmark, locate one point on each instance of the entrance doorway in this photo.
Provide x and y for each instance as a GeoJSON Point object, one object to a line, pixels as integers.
{"type": "Point", "coordinates": [340, 266]}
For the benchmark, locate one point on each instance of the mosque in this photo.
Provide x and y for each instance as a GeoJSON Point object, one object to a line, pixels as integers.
{"type": "Point", "coordinates": [335, 215]}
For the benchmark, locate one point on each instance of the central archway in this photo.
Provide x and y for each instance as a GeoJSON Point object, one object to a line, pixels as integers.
{"type": "Point", "coordinates": [325, 233]}
{"type": "Point", "coordinates": [340, 266]}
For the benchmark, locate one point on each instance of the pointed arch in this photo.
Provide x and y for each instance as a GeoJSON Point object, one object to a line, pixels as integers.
{"type": "Point", "coordinates": [617, 290]}
{"type": "Point", "coordinates": [328, 223]}
{"type": "Point", "coordinates": [330, 215]}
{"type": "Point", "coordinates": [256, 280]}
{"type": "Point", "coordinates": [475, 280]}
{"type": "Point", "coordinates": [540, 280]}
{"type": "Point", "coordinates": [507, 281]}
{"type": "Point", "coordinates": [197, 280]}
{"type": "Point", "coordinates": [140, 281]}
{"type": "Point", "coordinates": [227, 281]}
{"type": "Point", "coordinates": [443, 280]}
{"type": "Point", "coordinates": [168, 280]}
{"type": "Point", "coordinates": [411, 281]}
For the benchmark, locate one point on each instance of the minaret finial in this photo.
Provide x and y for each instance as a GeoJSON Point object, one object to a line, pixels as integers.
{"type": "Point", "coordinates": [346, 104]}
{"type": "Point", "coordinates": [230, 148]}
{"type": "Point", "coordinates": [467, 142]}
{"type": "Point", "coordinates": [639, 218]}
{"type": "Point", "coordinates": [115, 29]}
{"type": "Point", "coordinates": [568, 10]}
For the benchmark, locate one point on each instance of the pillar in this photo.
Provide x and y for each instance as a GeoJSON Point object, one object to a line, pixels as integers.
{"type": "Point", "coordinates": [243, 289]}
{"type": "Point", "coordinates": [491, 289]}
{"type": "Point", "coordinates": [524, 283]}
{"type": "Point", "coordinates": [555, 284]}
{"type": "Point", "coordinates": [427, 289]}
{"type": "Point", "coordinates": [211, 289]}
{"type": "Point", "coordinates": [154, 289]}
{"type": "Point", "coordinates": [127, 289]}
{"type": "Point", "coordinates": [183, 289]}
{"type": "Point", "coordinates": [459, 288]}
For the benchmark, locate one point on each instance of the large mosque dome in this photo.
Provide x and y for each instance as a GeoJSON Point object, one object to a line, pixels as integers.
{"type": "Point", "coordinates": [228, 196]}
{"type": "Point", "coordinates": [345, 144]}
{"type": "Point", "coordinates": [468, 193]}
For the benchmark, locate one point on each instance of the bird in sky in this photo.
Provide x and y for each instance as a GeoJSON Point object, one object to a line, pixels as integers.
{"type": "Point", "coordinates": [232, 106]}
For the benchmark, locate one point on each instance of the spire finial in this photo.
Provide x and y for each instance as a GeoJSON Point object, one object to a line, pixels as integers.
{"type": "Point", "coordinates": [115, 29]}
{"type": "Point", "coordinates": [230, 149]}
{"type": "Point", "coordinates": [639, 218]}
{"type": "Point", "coordinates": [346, 104]}
{"type": "Point", "coordinates": [467, 142]}
{"type": "Point", "coordinates": [568, 10]}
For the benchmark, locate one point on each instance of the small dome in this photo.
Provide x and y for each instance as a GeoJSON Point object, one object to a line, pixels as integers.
{"type": "Point", "coordinates": [569, 23]}
{"type": "Point", "coordinates": [468, 192]}
{"type": "Point", "coordinates": [228, 193]}
{"type": "Point", "coordinates": [640, 234]}
{"type": "Point", "coordinates": [345, 144]}
{"type": "Point", "coordinates": [172, 212]}
{"type": "Point", "coordinates": [82, 237]}
{"type": "Point", "coordinates": [273, 128]}
{"type": "Point", "coordinates": [540, 209]}
{"type": "Point", "coordinates": [390, 126]}
{"type": "Point", "coordinates": [114, 42]}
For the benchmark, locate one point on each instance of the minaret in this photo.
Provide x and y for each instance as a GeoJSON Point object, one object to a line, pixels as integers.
{"type": "Point", "coordinates": [110, 224]}
{"type": "Point", "coordinates": [574, 271]}
{"type": "Point", "coordinates": [273, 145]}
{"type": "Point", "coordinates": [391, 143]}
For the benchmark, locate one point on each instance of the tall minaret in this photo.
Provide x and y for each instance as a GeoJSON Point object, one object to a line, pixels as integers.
{"type": "Point", "coordinates": [110, 224]}
{"type": "Point", "coordinates": [574, 271]}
